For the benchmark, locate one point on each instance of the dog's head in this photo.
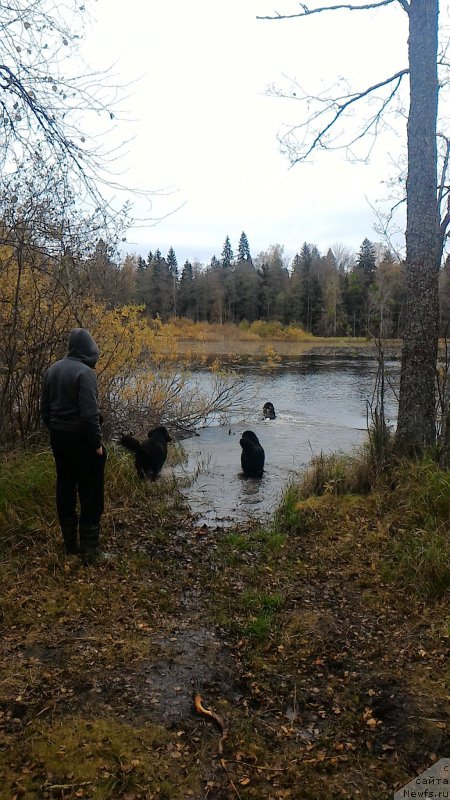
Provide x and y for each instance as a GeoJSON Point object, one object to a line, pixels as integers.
{"type": "Point", "coordinates": [247, 437]}
{"type": "Point", "coordinates": [160, 432]}
{"type": "Point", "coordinates": [268, 410]}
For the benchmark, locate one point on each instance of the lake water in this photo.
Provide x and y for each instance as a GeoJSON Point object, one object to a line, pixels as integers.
{"type": "Point", "coordinates": [321, 407]}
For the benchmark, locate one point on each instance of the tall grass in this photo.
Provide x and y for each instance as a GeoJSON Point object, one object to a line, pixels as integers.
{"type": "Point", "coordinates": [418, 561]}
{"type": "Point", "coordinates": [408, 501]}
{"type": "Point", "coordinates": [27, 494]}
{"type": "Point", "coordinates": [339, 473]}
{"type": "Point", "coordinates": [419, 550]}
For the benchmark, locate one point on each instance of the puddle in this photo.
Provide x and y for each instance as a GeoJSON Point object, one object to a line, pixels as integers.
{"type": "Point", "coordinates": [188, 660]}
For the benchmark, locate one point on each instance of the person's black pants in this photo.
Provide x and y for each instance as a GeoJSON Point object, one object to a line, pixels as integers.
{"type": "Point", "coordinates": [79, 474]}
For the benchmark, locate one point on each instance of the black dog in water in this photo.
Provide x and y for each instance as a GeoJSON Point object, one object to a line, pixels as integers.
{"type": "Point", "coordinates": [149, 455]}
{"type": "Point", "coordinates": [268, 411]}
{"type": "Point", "coordinates": [252, 456]}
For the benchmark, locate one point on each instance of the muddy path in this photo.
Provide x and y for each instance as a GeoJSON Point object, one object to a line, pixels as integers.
{"type": "Point", "coordinates": [330, 685]}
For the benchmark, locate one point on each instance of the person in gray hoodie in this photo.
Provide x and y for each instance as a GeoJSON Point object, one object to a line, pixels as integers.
{"type": "Point", "coordinates": [69, 409]}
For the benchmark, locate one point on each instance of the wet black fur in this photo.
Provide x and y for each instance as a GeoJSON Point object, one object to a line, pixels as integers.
{"type": "Point", "coordinates": [149, 455]}
{"type": "Point", "coordinates": [252, 456]}
{"type": "Point", "coordinates": [268, 411]}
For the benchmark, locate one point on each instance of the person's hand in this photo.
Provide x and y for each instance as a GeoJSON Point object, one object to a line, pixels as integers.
{"type": "Point", "coordinates": [99, 450]}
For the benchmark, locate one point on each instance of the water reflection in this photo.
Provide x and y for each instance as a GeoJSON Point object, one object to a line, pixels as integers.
{"type": "Point", "coordinates": [321, 406]}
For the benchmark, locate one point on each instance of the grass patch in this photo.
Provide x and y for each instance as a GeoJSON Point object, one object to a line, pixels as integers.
{"type": "Point", "coordinates": [27, 496]}
{"type": "Point", "coordinates": [240, 604]}
{"type": "Point", "coordinates": [419, 562]}
{"type": "Point", "coordinates": [422, 491]}
{"type": "Point", "coordinates": [262, 608]}
{"type": "Point", "coordinates": [99, 759]}
{"type": "Point", "coordinates": [338, 474]}
{"type": "Point", "coordinates": [401, 520]}
{"type": "Point", "coordinates": [262, 543]}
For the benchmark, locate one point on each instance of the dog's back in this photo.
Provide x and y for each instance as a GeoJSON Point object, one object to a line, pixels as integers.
{"type": "Point", "coordinates": [253, 456]}
{"type": "Point", "coordinates": [155, 447]}
{"type": "Point", "coordinates": [130, 443]}
{"type": "Point", "coordinates": [150, 455]}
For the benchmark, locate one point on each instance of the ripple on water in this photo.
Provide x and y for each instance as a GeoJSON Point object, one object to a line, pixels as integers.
{"type": "Point", "coordinates": [320, 409]}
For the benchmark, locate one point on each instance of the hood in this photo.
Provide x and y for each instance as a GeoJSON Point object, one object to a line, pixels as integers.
{"type": "Point", "coordinates": [82, 346]}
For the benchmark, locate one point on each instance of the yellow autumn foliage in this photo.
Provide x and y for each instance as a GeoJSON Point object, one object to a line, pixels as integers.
{"type": "Point", "coordinates": [38, 309]}
{"type": "Point", "coordinates": [187, 330]}
{"type": "Point", "coordinates": [140, 380]}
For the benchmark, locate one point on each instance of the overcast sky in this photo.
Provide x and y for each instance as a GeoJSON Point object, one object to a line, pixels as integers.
{"type": "Point", "coordinates": [205, 130]}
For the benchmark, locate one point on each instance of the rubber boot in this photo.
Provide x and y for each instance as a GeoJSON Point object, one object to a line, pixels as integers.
{"type": "Point", "coordinates": [89, 543]}
{"type": "Point", "coordinates": [69, 530]}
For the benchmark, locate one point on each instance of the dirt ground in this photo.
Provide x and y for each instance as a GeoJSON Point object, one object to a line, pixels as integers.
{"type": "Point", "coordinates": [329, 684]}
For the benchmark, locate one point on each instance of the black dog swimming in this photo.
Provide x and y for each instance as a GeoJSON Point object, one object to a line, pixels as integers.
{"type": "Point", "coordinates": [269, 411]}
{"type": "Point", "coordinates": [252, 456]}
{"type": "Point", "coordinates": [149, 455]}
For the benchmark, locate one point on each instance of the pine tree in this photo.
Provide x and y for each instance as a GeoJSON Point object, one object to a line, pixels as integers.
{"type": "Point", "coordinates": [243, 248]}
{"type": "Point", "coordinates": [263, 291]}
{"type": "Point", "coordinates": [186, 298]}
{"type": "Point", "coordinates": [145, 284]}
{"type": "Point", "coordinates": [227, 254]}
{"type": "Point", "coordinates": [296, 290]}
{"type": "Point", "coordinates": [366, 261]}
{"type": "Point", "coordinates": [305, 274]}
{"type": "Point", "coordinates": [152, 302]}
{"type": "Point", "coordinates": [172, 265]}
{"type": "Point", "coordinates": [216, 275]}
{"type": "Point", "coordinates": [104, 273]}
{"type": "Point", "coordinates": [172, 262]}
{"type": "Point", "coordinates": [333, 321]}
{"type": "Point", "coordinates": [365, 269]}
{"type": "Point", "coordinates": [316, 303]}
{"type": "Point", "coordinates": [246, 291]}
{"type": "Point", "coordinates": [273, 293]}
{"type": "Point", "coordinates": [354, 295]}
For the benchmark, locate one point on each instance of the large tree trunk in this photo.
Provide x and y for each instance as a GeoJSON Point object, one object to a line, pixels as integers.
{"type": "Point", "coordinates": [417, 403]}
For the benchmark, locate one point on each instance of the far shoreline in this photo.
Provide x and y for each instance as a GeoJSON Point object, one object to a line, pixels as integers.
{"type": "Point", "coordinates": [267, 347]}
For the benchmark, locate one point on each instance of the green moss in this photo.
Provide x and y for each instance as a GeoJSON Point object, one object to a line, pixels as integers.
{"type": "Point", "coordinates": [101, 759]}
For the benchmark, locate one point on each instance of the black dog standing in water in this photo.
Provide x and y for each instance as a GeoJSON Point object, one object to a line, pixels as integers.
{"type": "Point", "coordinates": [269, 411]}
{"type": "Point", "coordinates": [149, 455]}
{"type": "Point", "coordinates": [252, 456]}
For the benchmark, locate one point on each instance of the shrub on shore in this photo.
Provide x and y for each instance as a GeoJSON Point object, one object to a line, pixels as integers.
{"type": "Point", "coordinates": [188, 330]}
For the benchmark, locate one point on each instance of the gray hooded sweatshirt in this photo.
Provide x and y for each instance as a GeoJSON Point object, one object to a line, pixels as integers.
{"type": "Point", "coordinates": [69, 399]}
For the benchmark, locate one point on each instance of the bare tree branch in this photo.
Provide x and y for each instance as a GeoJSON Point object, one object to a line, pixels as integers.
{"type": "Point", "coordinates": [443, 191]}
{"type": "Point", "coordinates": [443, 170]}
{"type": "Point", "coordinates": [52, 105]}
{"type": "Point", "coordinates": [308, 11]}
{"type": "Point", "coordinates": [337, 106]}
{"type": "Point", "coordinates": [385, 226]}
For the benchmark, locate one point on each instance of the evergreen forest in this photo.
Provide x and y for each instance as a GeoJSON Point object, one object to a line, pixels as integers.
{"type": "Point", "coordinates": [339, 293]}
